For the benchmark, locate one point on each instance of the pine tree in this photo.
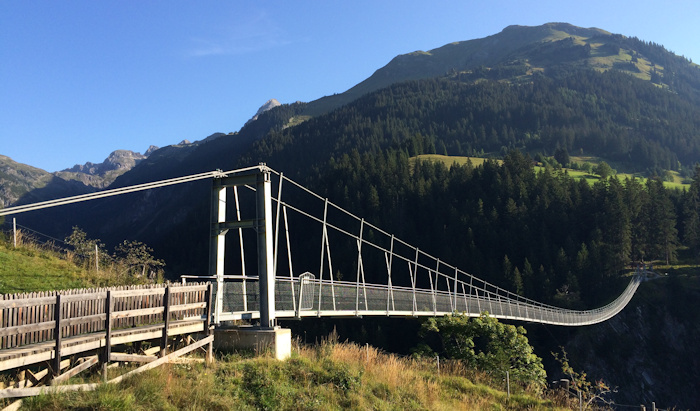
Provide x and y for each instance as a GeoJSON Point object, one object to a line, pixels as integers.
{"type": "Point", "coordinates": [691, 215]}
{"type": "Point", "coordinates": [662, 236]}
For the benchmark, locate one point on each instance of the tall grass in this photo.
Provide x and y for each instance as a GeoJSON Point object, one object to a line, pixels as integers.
{"type": "Point", "coordinates": [326, 376]}
{"type": "Point", "coordinates": [34, 266]}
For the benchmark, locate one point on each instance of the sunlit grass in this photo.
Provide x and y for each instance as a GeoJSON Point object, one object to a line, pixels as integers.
{"type": "Point", "coordinates": [33, 267]}
{"type": "Point", "coordinates": [326, 376]}
{"type": "Point", "coordinates": [591, 178]}
{"type": "Point", "coordinates": [450, 160]}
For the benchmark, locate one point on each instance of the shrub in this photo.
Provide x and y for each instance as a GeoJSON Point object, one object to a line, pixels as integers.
{"type": "Point", "coordinates": [491, 346]}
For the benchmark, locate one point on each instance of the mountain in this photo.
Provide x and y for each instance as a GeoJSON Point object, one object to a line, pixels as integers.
{"type": "Point", "coordinates": [535, 89]}
{"type": "Point", "coordinates": [117, 160]}
{"type": "Point", "coordinates": [21, 183]}
{"type": "Point", "coordinates": [17, 179]}
{"type": "Point", "coordinates": [516, 55]}
{"type": "Point", "coordinates": [519, 52]}
{"type": "Point", "coordinates": [529, 88]}
{"type": "Point", "coordinates": [269, 105]}
{"type": "Point", "coordinates": [527, 91]}
{"type": "Point", "coordinates": [101, 175]}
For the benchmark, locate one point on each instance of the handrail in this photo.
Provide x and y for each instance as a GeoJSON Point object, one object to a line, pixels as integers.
{"type": "Point", "coordinates": [373, 303]}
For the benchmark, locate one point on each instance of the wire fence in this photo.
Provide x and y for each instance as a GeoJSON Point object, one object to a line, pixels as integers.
{"type": "Point", "coordinates": [19, 235]}
{"type": "Point", "coordinates": [26, 234]}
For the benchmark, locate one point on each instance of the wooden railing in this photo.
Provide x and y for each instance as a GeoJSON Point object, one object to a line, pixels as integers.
{"type": "Point", "coordinates": [35, 319]}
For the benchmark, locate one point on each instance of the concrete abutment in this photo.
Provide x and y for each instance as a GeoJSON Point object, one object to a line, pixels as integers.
{"type": "Point", "coordinates": [277, 340]}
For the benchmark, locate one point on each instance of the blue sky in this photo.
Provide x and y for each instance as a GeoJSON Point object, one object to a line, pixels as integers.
{"type": "Point", "coordinates": [79, 79]}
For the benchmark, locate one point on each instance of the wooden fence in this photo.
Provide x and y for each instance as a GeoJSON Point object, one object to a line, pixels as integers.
{"type": "Point", "coordinates": [35, 319]}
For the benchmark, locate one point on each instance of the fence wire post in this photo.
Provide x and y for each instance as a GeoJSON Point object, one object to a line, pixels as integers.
{"type": "Point", "coordinates": [434, 286]}
{"type": "Point", "coordinates": [508, 383]}
{"type": "Point", "coordinates": [390, 290]}
{"type": "Point", "coordinates": [414, 274]}
{"type": "Point", "coordinates": [580, 401]}
{"type": "Point", "coordinates": [323, 254]}
{"type": "Point", "coordinates": [14, 231]}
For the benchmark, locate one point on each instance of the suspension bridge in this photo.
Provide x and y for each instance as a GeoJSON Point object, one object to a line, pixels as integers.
{"type": "Point", "coordinates": [277, 251]}
{"type": "Point", "coordinates": [407, 282]}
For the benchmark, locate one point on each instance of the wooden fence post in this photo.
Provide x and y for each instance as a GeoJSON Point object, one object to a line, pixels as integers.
{"type": "Point", "coordinates": [166, 322]}
{"type": "Point", "coordinates": [207, 324]}
{"type": "Point", "coordinates": [108, 334]}
{"type": "Point", "coordinates": [207, 320]}
{"type": "Point", "coordinates": [57, 335]}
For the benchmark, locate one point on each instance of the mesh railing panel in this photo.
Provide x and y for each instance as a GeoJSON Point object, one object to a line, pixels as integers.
{"type": "Point", "coordinates": [325, 298]}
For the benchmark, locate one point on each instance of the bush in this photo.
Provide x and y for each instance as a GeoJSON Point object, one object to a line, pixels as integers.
{"type": "Point", "coordinates": [491, 346]}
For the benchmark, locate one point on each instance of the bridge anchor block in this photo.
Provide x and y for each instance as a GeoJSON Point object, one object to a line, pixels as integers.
{"type": "Point", "coordinates": [277, 340]}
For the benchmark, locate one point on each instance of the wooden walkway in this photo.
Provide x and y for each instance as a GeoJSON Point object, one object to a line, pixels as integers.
{"type": "Point", "coordinates": [49, 337]}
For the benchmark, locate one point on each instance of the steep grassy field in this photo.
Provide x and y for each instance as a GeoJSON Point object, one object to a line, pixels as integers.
{"type": "Point", "coordinates": [328, 376]}
{"type": "Point", "coordinates": [449, 160]}
{"type": "Point", "coordinates": [591, 178]}
{"type": "Point", "coordinates": [31, 267]}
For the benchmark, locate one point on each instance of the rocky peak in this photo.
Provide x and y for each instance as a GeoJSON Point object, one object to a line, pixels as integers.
{"type": "Point", "coordinates": [150, 150]}
{"type": "Point", "coordinates": [121, 160]}
{"type": "Point", "coordinates": [269, 104]}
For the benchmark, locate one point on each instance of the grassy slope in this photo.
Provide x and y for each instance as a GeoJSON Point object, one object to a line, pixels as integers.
{"type": "Point", "coordinates": [329, 376]}
{"type": "Point", "coordinates": [27, 269]}
{"type": "Point", "coordinates": [30, 268]}
{"type": "Point", "coordinates": [591, 178]}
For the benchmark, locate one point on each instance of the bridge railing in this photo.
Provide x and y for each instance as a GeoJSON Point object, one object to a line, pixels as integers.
{"type": "Point", "coordinates": [307, 296]}
{"type": "Point", "coordinates": [350, 299]}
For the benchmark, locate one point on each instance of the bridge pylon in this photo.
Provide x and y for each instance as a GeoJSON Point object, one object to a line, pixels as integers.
{"type": "Point", "coordinates": [258, 177]}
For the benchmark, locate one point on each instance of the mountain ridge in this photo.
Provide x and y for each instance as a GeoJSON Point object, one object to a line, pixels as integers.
{"type": "Point", "coordinates": [526, 52]}
{"type": "Point", "coordinates": [511, 44]}
{"type": "Point", "coordinates": [27, 183]}
{"type": "Point", "coordinates": [509, 51]}
{"type": "Point", "coordinates": [516, 54]}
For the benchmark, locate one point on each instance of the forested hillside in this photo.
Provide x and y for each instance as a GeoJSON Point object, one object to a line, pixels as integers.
{"type": "Point", "coordinates": [611, 115]}
{"type": "Point", "coordinates": [540, 234]}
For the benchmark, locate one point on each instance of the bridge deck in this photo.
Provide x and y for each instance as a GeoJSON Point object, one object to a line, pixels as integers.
{"type": "Point", "coordinates": [316, 298]}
